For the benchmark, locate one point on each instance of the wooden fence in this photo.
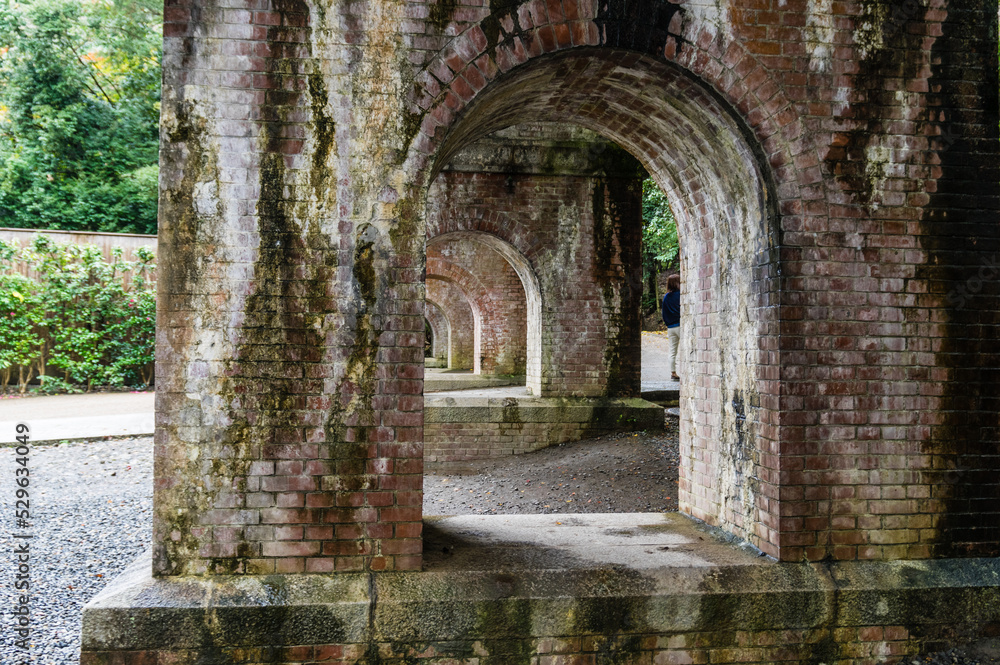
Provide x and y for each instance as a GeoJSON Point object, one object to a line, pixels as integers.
{"type": "Point", "coordinates": [129, 242]}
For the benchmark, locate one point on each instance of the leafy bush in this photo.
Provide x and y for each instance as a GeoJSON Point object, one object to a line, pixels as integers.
{"type": "Point", "coordinates": [91, 320]}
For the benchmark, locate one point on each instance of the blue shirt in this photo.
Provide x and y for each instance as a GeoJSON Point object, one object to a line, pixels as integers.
{"type": "Point", "coordinates": [671, 309]}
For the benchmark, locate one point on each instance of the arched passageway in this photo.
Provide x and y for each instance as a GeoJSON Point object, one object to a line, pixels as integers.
{"type": "Point", "coordinates": [711, 169]}
{"type": "Point", "coordinates": [293, 243]}
{"type": "Point", "coordinates": [456, 309]}
{"type": "Point", "coordinates": [440, 331]}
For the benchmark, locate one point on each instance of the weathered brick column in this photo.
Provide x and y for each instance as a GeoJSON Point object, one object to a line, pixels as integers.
{"type": "Point", "coordinates": [291, 297]}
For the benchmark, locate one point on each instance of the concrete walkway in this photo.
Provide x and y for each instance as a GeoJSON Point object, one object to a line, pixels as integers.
{"type": "Point", "coordinates": [65, 417]}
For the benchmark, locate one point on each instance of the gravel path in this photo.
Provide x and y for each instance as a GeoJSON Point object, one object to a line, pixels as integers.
{"type": "Point", "coordinates": [92, 505]}
{"type": "Point", "coordinates": [91, 508]}
{"type": "Point", "coordinates": [620, 473]}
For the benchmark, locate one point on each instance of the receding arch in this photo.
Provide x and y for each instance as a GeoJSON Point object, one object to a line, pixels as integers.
{"type": "Point", "coordinates": [496, 351]}
{"type": "Point", "coordinates": [440, 329]}
{"type": "Point", "coordinates": [532, 293]}
{"type": "Point", "coordinates": [460, 315]}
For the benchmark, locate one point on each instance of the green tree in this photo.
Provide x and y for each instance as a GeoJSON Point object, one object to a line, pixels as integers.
{"type": "Point", "coordinates": [660, 248]}
{"type": "Point", "coordinates": [79, 112]}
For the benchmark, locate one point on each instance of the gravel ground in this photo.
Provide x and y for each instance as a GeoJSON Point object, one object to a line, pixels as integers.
{"type": "Point", "coordinates": [91, 515]}
{"type": "Point", "coordinates": [620, 473]}
{"type": "Point", "coordinates": [92, 504]}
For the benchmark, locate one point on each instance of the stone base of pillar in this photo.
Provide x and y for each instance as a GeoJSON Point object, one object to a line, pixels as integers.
{"type": "Point", "coordinates": [585, 588]}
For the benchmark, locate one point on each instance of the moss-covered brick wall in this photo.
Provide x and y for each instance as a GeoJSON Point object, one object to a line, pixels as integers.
{"type": "Point", "coordinates": [834, 171]}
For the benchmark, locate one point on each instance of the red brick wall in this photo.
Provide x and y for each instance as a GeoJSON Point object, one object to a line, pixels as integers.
{"type": "Point", "coordinates": [835, 178]}
{"type": "Point", "coordinates": [290, 329]}
{"type": "Point", "coordinates": [860, 423]}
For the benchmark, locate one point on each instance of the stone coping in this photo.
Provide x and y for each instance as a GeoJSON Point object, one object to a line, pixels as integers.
{"type": "Point", "coordinates": [440, 381]}
{"type": "Point", "coordinates": [482, 406]}
{"type": "Point", "coordinates": [536, 576]}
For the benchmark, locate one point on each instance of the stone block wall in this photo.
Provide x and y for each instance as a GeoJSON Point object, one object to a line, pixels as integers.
{"type": "Point", "coordinates": [462, 429]}
{"type": "Point", "coordinates": [858, 613]}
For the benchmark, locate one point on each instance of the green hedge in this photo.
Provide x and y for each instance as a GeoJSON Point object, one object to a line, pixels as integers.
{"type": "Point", "coordinates": [90, 321]}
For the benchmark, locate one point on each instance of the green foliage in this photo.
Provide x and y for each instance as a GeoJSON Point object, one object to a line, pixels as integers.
{"type": "Point", "coordinates": [79, 113]}
{"type": "Point", "coordinates": [659, 230]}
{"type": "Point", "coordinates": [660, 247]}
{"type": "Point", "coordinates": [91, 319]}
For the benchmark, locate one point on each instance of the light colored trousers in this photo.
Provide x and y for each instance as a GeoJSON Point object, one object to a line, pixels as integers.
{"type": "Point", "coordinates": [673, 344]}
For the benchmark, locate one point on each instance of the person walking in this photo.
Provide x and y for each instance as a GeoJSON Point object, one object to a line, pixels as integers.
{"type": "Point", "coordinates": [671, 309]}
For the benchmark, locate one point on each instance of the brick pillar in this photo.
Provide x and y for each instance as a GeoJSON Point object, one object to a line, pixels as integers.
{"type": "Point", "coordinates": [290, 321]}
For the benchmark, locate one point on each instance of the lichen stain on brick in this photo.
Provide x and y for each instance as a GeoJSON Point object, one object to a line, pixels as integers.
{"type": "Point", "coordinates": [262, 385]}
{"type": "Point", "coordinates": [441, 13]}
{"type": "Point", "coordinates": [192, 156]}
{"type": "Point", "coordinates": [613, 210]}
{"type": "Point", "coordinates": [324, 145]}
{"type": "Point", "coordinates": [819, 34]}
{"type": "Point", "coordinates": [740, 451]}
{"type": "Point", "coordinates": [962, 244]}
{"type": "Point", "coordinates": [379, 82]}
{"type": "Point", "coordinates": [180, 215]}
{"type": "Point", "coordinates": [351, 416]}
{"type": "Point", "coordinates": [860, 156]}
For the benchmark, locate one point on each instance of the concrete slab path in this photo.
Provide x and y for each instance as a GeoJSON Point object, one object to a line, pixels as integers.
{"type": "Point", "coordinates": [67, 417]}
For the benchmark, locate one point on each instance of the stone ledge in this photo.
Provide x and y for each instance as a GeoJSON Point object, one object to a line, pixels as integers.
{"type": "Point", "coordinates": [444, 381]}
{"type": "Point", "coordinates": [600, 413]}
{"type": "Point", "coordinates": [462, 428]}
{"type": "Point", "coordinates": [476, 594]}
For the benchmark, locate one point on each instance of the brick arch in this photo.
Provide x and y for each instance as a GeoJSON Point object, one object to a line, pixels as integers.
{"type": "Point", "coordinates": [725, 69]}
{"type": "Point", "coordinates": [491, 337]}
{"type": "Point", "coordinates": [440, 329]}
{"type": "Point", "coordinates": [528, 275]}
{"type": "Point", "coordinates": [718, 136]}
{"type": "Point", "coordinates": [491, 222]}
{"type": "Point", "coordinates": [461, 322]}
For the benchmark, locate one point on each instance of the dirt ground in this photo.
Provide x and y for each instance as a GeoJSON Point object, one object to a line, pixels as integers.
{"type": "Point", "coordinates": [619, 473]}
